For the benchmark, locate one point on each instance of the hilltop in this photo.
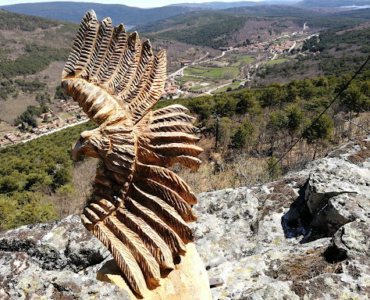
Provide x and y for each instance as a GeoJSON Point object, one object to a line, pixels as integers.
{"type": "Point", "coordinates": [233, 26]}
{"type": "Point", "coordinates": [226, 5]}
{"type": "Point", "coordinates": [73, 11]}
{"type": "Point", "coordinates": [226, 28]}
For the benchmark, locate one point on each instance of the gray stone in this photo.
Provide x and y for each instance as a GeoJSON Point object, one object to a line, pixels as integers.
{"type": "Point", "coordinates": [56, 260]}
{"type": "Point", "coordinates": [303, 236]}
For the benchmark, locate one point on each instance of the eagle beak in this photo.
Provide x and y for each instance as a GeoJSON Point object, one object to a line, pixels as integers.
{"type": "Point", "coordinates": [76, 149]}
{"type": "Point", "coordinates": [85, 145]}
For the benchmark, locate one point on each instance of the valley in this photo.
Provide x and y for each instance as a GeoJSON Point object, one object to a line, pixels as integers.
{"type": "Point", "coordinates": [254, 86]}
{"type": "Point", "coordinates": [234, 68]}
{"type": "Point", "coordinates": [261, 136]}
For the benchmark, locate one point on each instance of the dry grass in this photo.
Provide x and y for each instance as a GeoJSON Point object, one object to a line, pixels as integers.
{"type": "Point", "coordinates": [11, 108]}
{"type": "Point", "coordinates": [242, 171]}
{"type": "Point", "coordinates": [258, 31]}
{"type": "Point", "coordinates": [177, 52]}
{"type": "Point", "coordinates": [5, 128]}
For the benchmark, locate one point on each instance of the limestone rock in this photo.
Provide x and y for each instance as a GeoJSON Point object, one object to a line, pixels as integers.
{"type": "Point", "coordinates": [303, 236]}
{"type": "Point", "coordinates": [61, 260]}
{"type": "Point", "coordinates": [52, 261]}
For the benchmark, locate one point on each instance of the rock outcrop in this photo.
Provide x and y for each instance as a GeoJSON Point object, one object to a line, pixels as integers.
{"type": "Point", "coordinates": [304, 236]}
{"type": "Point", "coordinates": [57, 260]}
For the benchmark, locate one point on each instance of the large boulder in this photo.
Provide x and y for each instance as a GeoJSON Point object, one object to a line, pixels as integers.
{"type": "Point", "coordinates": [304, 236]}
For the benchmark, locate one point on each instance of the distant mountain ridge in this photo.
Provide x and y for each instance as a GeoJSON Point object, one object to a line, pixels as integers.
{"type": "Point", "coordinates": [333, 3]}
{"type": "Point", "coordinates": [74, 11]}
{"type": "Point", "coordinates": [226, 5]}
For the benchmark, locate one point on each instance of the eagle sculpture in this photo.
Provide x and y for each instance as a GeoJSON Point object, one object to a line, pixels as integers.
{"type": "Point", "coordinates": [139, 209]}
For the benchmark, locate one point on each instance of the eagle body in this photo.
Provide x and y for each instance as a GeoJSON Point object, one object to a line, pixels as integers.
{"type": "Point", "coordinates": [139, 208]}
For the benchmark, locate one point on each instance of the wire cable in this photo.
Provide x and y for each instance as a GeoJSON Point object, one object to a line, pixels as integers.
{"type": "Point", "coordinates": [321, 114]}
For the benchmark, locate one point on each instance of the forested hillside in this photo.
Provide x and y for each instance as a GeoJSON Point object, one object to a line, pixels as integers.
{"type": "Point", "coordinates": [233, 26]}
{"type": "Point", "coordinates": [257, 126]}
{"type": "Point", "coordinates": [197, 28]}
{"type": "Point", "coordinates": [36, 179]}
{"type": "Point", "coordinates": [225, 5]}
{"type": "Point", "coordinates": [332, 53]}
{"type": "Point", "coordinates": [301, 15]}
{"type": "Point", "coordinates": [72, 11]}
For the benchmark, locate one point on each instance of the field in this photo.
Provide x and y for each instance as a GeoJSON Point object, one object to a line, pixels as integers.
{"type": "Point", "coordinates": [233, 86]}
{"type": "Point", "coordinates": [238, 60]}
{"type": "Point", "coordinates": [65, 115]}
{"type": "Point", "coordinates": [213, 72]}
{"type": "Point", "coordinates": [182, 80]}
{"type": "Point", "coordinates": [276, 61]}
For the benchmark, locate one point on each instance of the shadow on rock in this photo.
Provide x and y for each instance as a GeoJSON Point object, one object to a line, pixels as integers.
{"type": "Point", "coordinates": [316, 214]}
{"type": "Point", "coordinates": [296, 222]}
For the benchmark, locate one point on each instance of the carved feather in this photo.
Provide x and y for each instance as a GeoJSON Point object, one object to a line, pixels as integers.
{"type": "Point", "coordinates": [152, 240]}
{"type": "Point", "coordinates": [139, 209]}
{"type": "Point", "coordinates": [123, 256]}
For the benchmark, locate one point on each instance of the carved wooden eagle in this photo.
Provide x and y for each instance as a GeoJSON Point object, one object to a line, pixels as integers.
{"type": "Point", "coordinates": [139, 208]}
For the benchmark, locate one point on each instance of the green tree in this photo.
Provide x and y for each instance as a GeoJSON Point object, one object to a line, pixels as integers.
{"type": "Point", "coordinates": [365, 88]}
{"type": "Point", "coordinates": [202, 107]}
{"type": "Point", "coordinates": [272, 96]}
{"type": "Point", "coordinates": [31, 213]}
{"type": "Point", "coordinates": [225, 105]}
{"type": "Point", "coordinates": [278, 121]}
{"type": "Point", "coordinates": [7, 208]}
{"type": "Point", "coordinates": [61, 176]}
{"type": "Point", "coordinates": [295, 118]}
{"type": "Point", "coordinates": [273, 168]}
{"type": "Point", "coordinates": [352, 99]}
{"type": "Point", "coordinates": [247, 104]}
{"type": "Point", "coordinates": [242, 135]}
{"type": "Point", "coordinates": [225, 131]}
{"type": "Point", "coordinates": [60, 94]}
{"type": "Point", "coordinates": [307, 89]}
{"type": "Point", "coordinates": [292, 93]}
{"type": "Point", "coordinates": [320, 130]}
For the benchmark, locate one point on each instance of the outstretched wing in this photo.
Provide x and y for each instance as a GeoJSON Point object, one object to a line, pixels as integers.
{"type": "Point", "coordinates": [139, 208]}
{"type": "Point", "coordinates": [111, 74]}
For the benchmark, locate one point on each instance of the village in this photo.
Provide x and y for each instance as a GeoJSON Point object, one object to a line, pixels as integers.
{"type": "Point", "coordinates": [175, 86]}
{"type": "Point", "coordinates": [49, 122]}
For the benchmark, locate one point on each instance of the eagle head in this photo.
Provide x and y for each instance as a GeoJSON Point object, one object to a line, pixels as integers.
{"type": "Point", "coordinates": [91, 143]}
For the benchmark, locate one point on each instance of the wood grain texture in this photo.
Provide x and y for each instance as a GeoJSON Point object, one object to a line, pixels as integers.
{"type": "Point", "coordinates": [139, 208]}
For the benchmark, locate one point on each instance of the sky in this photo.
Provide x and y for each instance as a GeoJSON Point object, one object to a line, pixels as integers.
{"type": "Point", "coordinates": [135, 3]}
